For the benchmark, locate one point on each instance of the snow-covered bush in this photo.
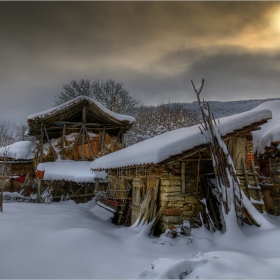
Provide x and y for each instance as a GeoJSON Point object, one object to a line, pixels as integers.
{"type": "Point", "coordinates": [65, 197]}
{"type": "Point", "coordinates": [15, 197]}
{"type": "Point", "coordinates": [100, 194]}
{"type": "Point", "coordinates": [179, 230]}
{"type": "Point", "coordinates": [46, 196]}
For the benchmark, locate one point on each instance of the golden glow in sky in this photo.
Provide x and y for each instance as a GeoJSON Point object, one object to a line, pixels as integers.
{"type": "Point", "coordinates": [276, 20]}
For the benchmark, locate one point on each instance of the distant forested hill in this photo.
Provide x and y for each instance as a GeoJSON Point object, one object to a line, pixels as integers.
{"type": "Point", "coordinates": [154, 120]}
{"type": "Point", "coordinates": [227, 108]}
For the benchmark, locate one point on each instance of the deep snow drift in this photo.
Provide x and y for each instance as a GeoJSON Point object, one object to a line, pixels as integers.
{"type": "Point", "coordinates": [68, 240]}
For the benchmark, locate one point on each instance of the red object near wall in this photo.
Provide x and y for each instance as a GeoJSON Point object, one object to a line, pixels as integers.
{"type": "Point", "coordinates": [40, 174]}
{"type": "Point", "coordinates": [20, 179]}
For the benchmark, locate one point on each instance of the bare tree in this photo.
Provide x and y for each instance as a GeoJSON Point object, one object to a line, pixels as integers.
{"type": "Point", "coordinates": [154, 120]}
{"type": "Point", "coordinates": [7, 133]}
{"type": "Point", "coordinates": [109, 93]}
{"type": "Point", "coordinates": [73, 90]}
{"type": "Point", "coordinates": [114, 97]}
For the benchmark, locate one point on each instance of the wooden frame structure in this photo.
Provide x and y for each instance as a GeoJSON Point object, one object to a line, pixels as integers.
{"type": "Point", "coordinates": [82, 116]}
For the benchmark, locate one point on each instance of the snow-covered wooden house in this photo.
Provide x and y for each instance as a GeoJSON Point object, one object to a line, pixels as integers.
{"type": "Point", "coordinates": [70, 134]}
{"type": "Point", "coordinates": [267, 152]}
{"type": "Point", "coordinates": [16, 163]}
{"type": "Point", "coordinates": [173, 173]}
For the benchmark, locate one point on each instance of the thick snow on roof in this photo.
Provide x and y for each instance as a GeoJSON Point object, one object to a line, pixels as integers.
{"type": "Point", "coordinates": [69, 170]}
{"type": "Point", "coordinates": [161, 147]}
{"type": "Point", "coordinates": [270, 131]}
{"type": "Point", "coordinates": [18, 150]}
{"type": "Point", "coordinates": [77, 100]}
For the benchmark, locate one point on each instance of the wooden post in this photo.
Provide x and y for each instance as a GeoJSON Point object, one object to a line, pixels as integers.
{"type": "Point", "coordinates": [39, 190]}
{"type": "Point", "coordinates": [48, 139]}
{"type": "Point", "coordinates": [63, 140]}
{"type": "Point", "coordinates": [103, 139]}
{"type": "Point", "coordinates": [97, 185]}
{"type": "Point", "coordinates": [83, 142]}
{"type": "Point", "coordinates": [83, 129]}
{"type": "Point", "coordinates": [183, 176]}
{"type": "Point", "coordinates": [84, 114]}
{"type": "Point", "coordinates": [122, 139]}
{"type": "Point", "coordinates": [41, 142]}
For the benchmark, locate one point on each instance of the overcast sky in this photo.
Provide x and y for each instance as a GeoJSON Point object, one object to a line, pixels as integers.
{"type": "Point", "coordinates": [154, 48]}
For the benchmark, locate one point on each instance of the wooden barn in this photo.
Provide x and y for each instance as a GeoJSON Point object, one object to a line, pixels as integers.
{"type": "Point", "coordinates": [171, 176]}
{"type": "Point", "coordinates": [267, 157]}
{"type": "Point", "coordinates": [17, 165]}
{"type": "Point", "coordinates": [79, 130]}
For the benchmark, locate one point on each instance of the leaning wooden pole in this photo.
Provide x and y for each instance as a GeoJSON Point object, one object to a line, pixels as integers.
{"type": "Point", "coordinates": [228, 187]}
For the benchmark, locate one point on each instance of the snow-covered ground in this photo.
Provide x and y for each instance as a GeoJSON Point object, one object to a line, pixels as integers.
{"type": "Point", "coordinates": [68, 240]}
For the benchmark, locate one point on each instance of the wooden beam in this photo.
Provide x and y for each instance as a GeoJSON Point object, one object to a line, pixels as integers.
{"type": "Point", "coordinates": [122, 139]}
{"type": "Point", "coordinates": [88, 124]}
{"type": "Point", "coordinates": [83, 142]}
{"type": "Point", "coordinates": [39, 190]}
{"type": "Point", "coordinates": [41, 142]}
{"type": "Point", "coordinates": [102, 139]}
{"type": "Point", "coordinates": [63, 140]}
{"type": "Point", "coordinates": [84, 114]}
{"type": "Point", "coordinates": [48, 139]}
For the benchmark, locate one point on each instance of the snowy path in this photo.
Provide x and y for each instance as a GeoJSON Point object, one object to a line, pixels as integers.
{"type": "Point", "coordinates": [65, 240]}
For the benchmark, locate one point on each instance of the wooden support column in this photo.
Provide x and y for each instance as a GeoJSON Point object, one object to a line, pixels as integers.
{"type": "Point", "coordinates": [41, 142]}
{"type": "Point", "coordinates": [39, 190]}
{"type": "Point", "coordinates": [122, 139]}
{"type": "Point", "coordinates": [83, 131]}
{"type": "Point", "coordinates": [183, 177]}
{"type": "Point", "coordinates": [83, 142]}
{"type": "Point", "coordinates": [48, 139]}
{"type": "Point", "coordinates": [103, 139]}
{"type": "Point", "coordinates": [63, 140]}
{"type": "Point", "coordinates": [97, 185]}
{"type": "Point", "coordinates": [89, 144]}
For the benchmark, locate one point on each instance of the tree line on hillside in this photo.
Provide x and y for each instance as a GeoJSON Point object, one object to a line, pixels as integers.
{"type": "Point", "coordinates": [150, 120]}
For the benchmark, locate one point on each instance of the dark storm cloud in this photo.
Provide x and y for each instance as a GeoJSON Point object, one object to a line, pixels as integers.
{"type": "Point", "coordinates": [154, 48]}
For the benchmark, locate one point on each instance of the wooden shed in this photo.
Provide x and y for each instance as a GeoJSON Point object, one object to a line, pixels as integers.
{"type": "Point", "coordinates": [174, 171]}
{"type": "Point", "coordinates": [81, 129]}
{"type": "Point", "coordinates": [267, 157]}
{"type": "Point", "coordinates": [16, 163]}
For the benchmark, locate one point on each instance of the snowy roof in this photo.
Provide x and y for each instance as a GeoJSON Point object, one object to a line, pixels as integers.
{"type": "Point", "coordinates": [161, 147]}
{"type": "Point", "coordinates": [19, 150]}
{"type": "Point", "coordinates": [270, 132]}
{"type": "Point", "coordinates": [76, 100]}
{"type": "Point", "coordinates": [69, 170]}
